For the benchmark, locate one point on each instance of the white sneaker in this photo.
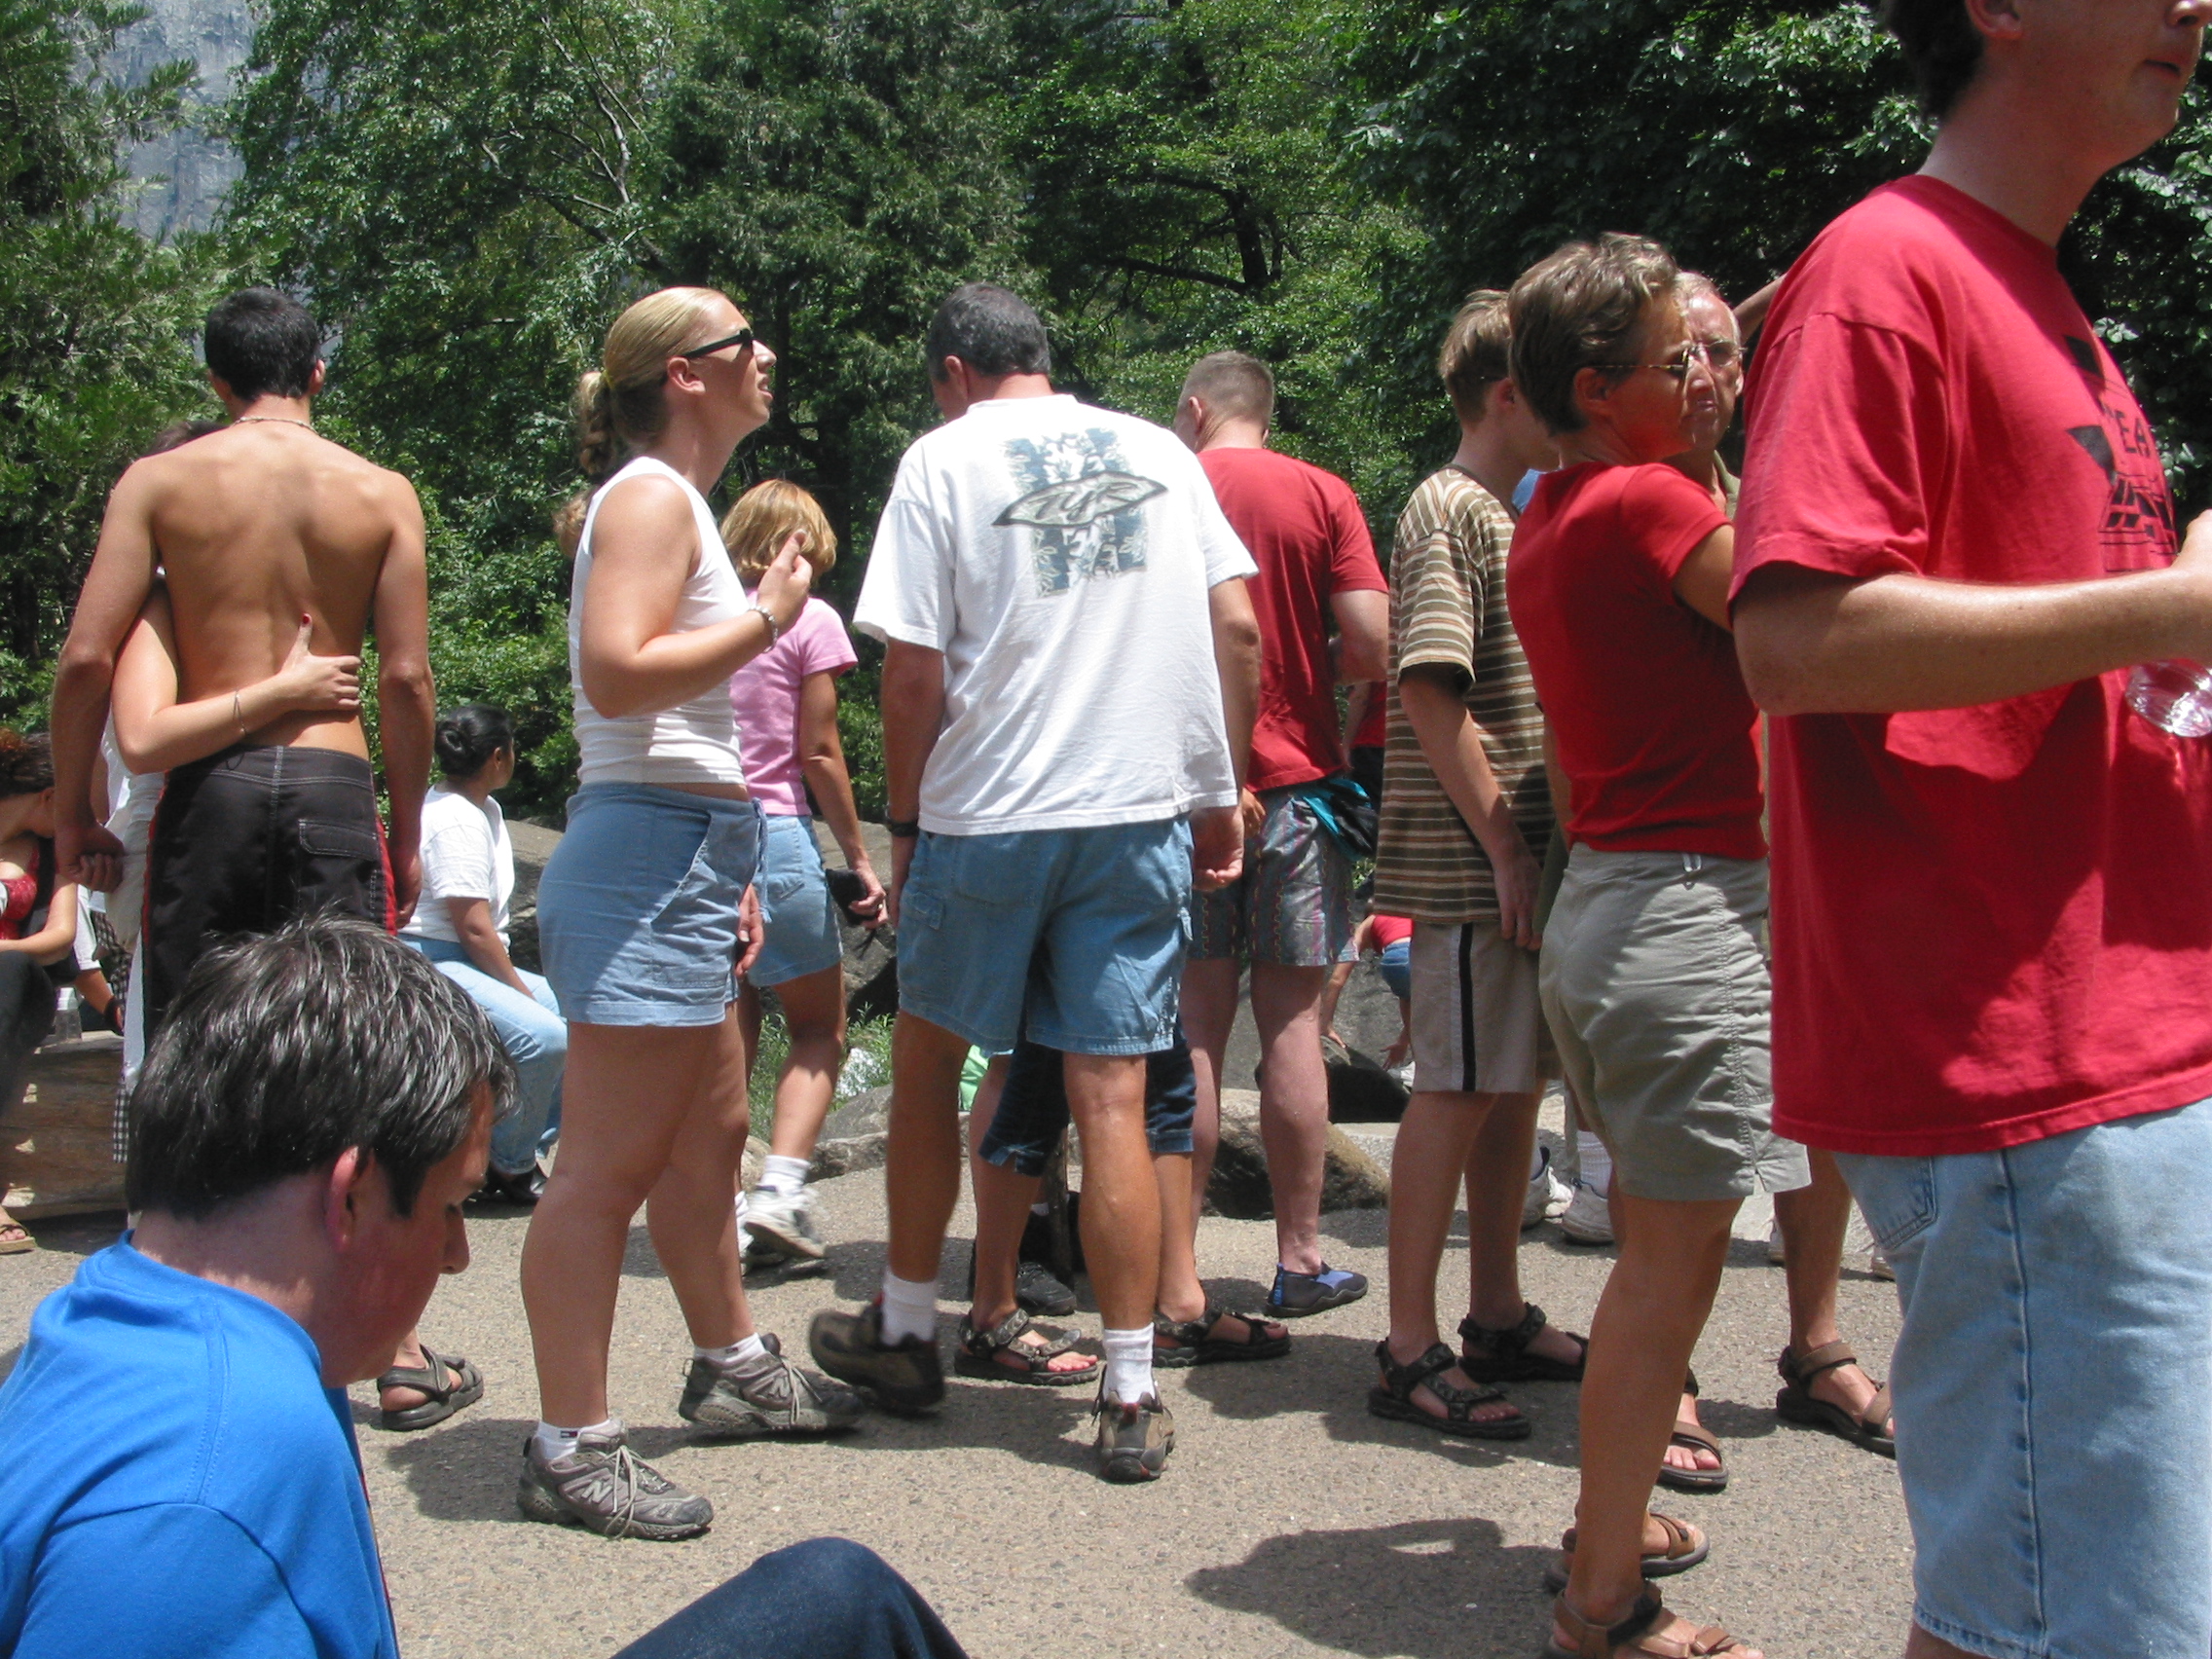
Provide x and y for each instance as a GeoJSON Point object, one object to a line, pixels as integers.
{"type": "Point", "coordinates": [1403, 1075]}
{"type": "Point", "coordinates": [1587, 1221]}
{"type": "Point", "coordinates": [1547, 1198]}
{"type": "Point", "coordinates": [784, 1223]}
{"type": "Point", "coordinates": [1878, 1265]}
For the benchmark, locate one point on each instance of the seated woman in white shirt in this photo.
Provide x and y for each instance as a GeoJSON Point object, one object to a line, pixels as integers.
{"type": "Point", "coordinates": [460, 923]}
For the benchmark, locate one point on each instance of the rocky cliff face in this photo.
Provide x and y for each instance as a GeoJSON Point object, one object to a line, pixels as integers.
{"type": "Point", "coordinates": [185, 174]}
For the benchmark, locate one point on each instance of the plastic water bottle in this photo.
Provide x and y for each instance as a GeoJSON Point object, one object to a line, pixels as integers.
{"type": "Point", "coordinates": [2174, 696]}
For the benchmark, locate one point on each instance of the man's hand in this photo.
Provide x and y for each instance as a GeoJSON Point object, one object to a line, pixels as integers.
{"type": "Point", "coordinates": [1217, 847]}
{"type": "Point", "coordinates": [1519, 876]}
{"type": "Point", "coordinates": [87, 854]}
{"type": "Point", "coordinates": [751, 935]}
{"type": "Point", "coordinates": [869, 909]}
{"type": "Point", "coordinates": [406, 880]}
{"type": "Point", "coordinates": [901, 861]}
{"type": "Point", "coordinates": [1251, 811]}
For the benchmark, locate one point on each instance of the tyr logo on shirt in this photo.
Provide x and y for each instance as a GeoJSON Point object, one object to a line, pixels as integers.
{"type": "Point", "coordinates": [1082, 503]}
{"type": "Point", "coordinates": [2141, 518]}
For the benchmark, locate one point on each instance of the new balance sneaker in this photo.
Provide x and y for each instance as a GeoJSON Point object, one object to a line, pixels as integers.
{"type": "Point", "coordinates": [1586, 1219]}
{"type": "Point", "coordinates": [784, 1223]}
{"type": "Point", "coordinates": [767, 1395]}
{"type": "Point", "coordinates": [601, 1486]}
{"type": "Point", "coordinates": [1296, 1295]}
{"type": "Point", "coordinates": [1134, 1441]}
{"type": "Point", "coordinates": [1548, 1196]}
{"type": "Point", "coordinates": [905, 1376]}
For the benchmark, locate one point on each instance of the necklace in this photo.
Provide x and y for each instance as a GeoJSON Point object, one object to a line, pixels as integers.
{"type": "Point", "coordinates": [280, 420]}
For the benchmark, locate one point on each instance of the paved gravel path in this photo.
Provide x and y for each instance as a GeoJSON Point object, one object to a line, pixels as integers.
{"type": "Point", "coordinates": [1289, 1522]}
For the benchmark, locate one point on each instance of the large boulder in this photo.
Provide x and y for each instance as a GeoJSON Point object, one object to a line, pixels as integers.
{"type": "Point", "coordinates": [534, 844]}
{"type": "Point", "coordinates": [856, 1136]}
{"type": "Point", "coordinates": [1350, 1179]}
{"type": "Point", "coordinates": [60, 1135]}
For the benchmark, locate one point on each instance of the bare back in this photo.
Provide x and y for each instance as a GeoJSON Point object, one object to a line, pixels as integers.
{"type": "Point", "coordinates": [260, 524]}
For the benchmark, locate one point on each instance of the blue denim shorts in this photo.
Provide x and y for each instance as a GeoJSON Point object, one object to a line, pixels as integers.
{"type": "Point", "coordinates": [1083, 927]}
{"type": "Point", "coordinates": [1033, 1108]}
{"type": "Point", "coordinates": [637, 912]}
{"type": "Point", "coordinates": [796, 906]}
{"type": "Point", "coordinates": [2051, 1381]}
{"type": "Point", "coordinates": [1397, 966]}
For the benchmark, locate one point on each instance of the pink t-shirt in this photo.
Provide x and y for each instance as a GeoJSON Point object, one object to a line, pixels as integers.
{"type": "Point", "coordinates": [764, 695]}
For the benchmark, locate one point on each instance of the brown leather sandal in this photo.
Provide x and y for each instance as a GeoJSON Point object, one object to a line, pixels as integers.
{"type": "Point", "coordinates": [1693, 1437]}
{"type": "Point", "coordinates": [1393, 1397]}
{"type": "Point", "coordinates": [1875, 1431]}
{"type": "Point", "coordinates": [1633, 1636]}
{"type": "Point", "coordinates": [1685, 1547]}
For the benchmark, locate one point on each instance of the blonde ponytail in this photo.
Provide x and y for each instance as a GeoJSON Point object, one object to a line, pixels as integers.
{"type": "Point", "coordinates": [599, 446]}
{"type": "Point", "coordinates": [619, 408]}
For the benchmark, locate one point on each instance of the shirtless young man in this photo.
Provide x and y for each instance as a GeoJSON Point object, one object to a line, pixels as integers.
{"type": "Point", "coordinates": [256, 525]}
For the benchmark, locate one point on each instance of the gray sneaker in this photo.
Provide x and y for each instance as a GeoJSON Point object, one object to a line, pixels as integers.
{"type": "Point", "coordinates": [602, 1487]}
{"type": "Point", "coordinates": [769, 1395]}
{"type": "Point", "coordinates": [1134, 1441]}
{"type": "Point", "coordinates": [788, 1226]}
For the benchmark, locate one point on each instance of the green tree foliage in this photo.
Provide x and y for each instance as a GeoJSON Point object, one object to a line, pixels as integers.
{"type": "Point", "coordinates": [95, 319]}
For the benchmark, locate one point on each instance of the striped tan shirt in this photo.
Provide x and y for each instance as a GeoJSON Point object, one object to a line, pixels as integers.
{"type": "Point", "coordinates": [1448, 607]}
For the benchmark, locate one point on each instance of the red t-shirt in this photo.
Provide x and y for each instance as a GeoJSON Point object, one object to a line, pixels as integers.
{"type": "Point", "coordinates": [1991, 924]}
{"type": "Point", "coordinates": [1304, 528]}
{"type": "Point", "coordinates": [1389, 930]}
{"type": "Point", "coordinates": [1646, 706]}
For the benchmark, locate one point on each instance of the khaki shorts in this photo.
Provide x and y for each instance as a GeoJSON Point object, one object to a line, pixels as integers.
{"type": "Point", "coordinates": [1655, 983]}
{"type": "Point", "coordinates": [1478, 1025]}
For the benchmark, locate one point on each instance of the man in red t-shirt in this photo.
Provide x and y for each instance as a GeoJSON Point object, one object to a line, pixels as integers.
{"type": "Point", "coordinates": [1992, 923]}
{"type": "Point", "coordinates": [1290, 913]}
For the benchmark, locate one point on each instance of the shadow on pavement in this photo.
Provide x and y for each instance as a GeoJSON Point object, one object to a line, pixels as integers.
{"type": "Point", "coordinates": [78, 1236]}
{"type": "Point", "coordinates": [464, 1470]}
{"type": "Point", "coordinates": [1424, 1589]}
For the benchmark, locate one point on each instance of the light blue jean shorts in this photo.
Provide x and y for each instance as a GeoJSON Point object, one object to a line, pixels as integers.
{"type": "Point", "coordinates": [637, 912]}
{"type": "Point", "coordinates": [801, 916]}
{"type": "Point", "coordinates": [2054, 1388]}
{"type": "Point", "coordinates": [1085, 927]}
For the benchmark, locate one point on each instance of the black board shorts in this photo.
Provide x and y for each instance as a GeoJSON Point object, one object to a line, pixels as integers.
{"type": "Point", "coordinates": [248, 839]}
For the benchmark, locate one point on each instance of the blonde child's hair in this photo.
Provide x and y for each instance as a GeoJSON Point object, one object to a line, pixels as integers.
{"type": "Point", "coordinates": [756, 526]}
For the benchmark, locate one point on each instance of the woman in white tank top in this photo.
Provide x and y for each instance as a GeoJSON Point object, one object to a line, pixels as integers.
{"type": "Point", "coordinates": [645, 915]}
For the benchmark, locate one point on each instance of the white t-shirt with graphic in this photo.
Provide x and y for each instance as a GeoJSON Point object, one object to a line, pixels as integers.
{"type": "Point", "coordinates": [466, 854]}
{"type": "Point", "coordinates": [1060, 556]}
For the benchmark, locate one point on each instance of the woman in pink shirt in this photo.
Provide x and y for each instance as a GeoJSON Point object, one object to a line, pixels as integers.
{"type": "Point", "coordinates": [786, 703]}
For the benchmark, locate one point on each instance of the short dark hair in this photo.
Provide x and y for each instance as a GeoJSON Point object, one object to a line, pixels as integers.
{"type": "Point", "coordinates": [468, 736]}
{"type": "Point", "coordinates": [261, 343]}
{"type": "Point", "coordinates": [1473, 357]}
{"type": "Point", "coordinates": [1941, 47]}
{"type": "Point", "coordinates": [991, 329]}
{"type": "Point", "coordinates": [284, 1051]}
{"type": "Point", "coordinates": [1584, 307]}
{"type": "Point", "coordinates": [27, 763]}
{"type": "Point", "coordinates": [1235, 381]}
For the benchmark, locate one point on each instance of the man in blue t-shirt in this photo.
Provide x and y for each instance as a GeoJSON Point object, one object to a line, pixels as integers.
{"type": "Point", "coordinates": [307, 1126]}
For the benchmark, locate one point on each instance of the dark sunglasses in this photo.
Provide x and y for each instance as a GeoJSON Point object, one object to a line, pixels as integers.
{"type": "Point", "coordinates": [742, 339]}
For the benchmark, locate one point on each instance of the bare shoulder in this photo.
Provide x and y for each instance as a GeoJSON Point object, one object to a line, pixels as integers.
{"type": "Point", "coordinates": [642, 515]}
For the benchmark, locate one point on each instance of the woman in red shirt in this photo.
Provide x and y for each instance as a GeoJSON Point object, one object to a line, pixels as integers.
{"type": "Point", "coordinates": [1654, 977]}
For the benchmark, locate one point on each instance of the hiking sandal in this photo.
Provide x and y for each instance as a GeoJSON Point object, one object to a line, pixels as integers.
{"type": "Point", "coordinates": [981, 1353]}
{"type": "Point", "coordinates": [1395, 1398]}
{"type": "Point", "coordinates": [1193, 1341]}
{"type": "Point", "coordinates": [1874, 1431]}
{"type": "Point", "coordinates": [444, 1398]}
{"type": "Point", "coordinates": [1633, 1637]}
{"type": "Point", "coordinates": [1502, 1356]}
{"type": "Point", "coordinates": [1694, 1437]}
{"type": "Point", "coordinates": [1685, 1547]}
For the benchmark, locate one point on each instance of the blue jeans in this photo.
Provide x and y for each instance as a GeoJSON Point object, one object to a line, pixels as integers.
{"type": "Point", "coordinates": [826, 1598]}
{"type": "Point", "coordinates": [2051, 1381]}
{"type": "Point", "coordinates": [536, 1038]}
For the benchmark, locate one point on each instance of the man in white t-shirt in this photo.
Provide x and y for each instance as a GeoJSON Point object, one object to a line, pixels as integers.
{"type": "Point", "coordinates": [1071, 671]}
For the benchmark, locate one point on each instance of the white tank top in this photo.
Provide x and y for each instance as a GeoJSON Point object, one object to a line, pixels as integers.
{"type": "Point", "coordinates": [694, 742]}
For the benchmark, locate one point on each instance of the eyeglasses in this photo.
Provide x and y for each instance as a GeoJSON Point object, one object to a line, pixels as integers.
{"type": "Point", "coordinates": [742, 339]}
{"type": "Point", "coordinates": [1716, 355]}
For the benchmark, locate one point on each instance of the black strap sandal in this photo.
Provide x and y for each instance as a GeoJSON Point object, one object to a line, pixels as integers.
{"type": "Point", "coordinates": [981, 1353]}
{"type": "Point", "coordinates": [1873, 1430]}
{"type": "Point", "coordinates": [444, 1398]}
{"type": "Point", "coordinates": [1503, 1356]}
{"type": "Point", "coordinates": [1395, 1398]}
{"type": "Point", "coordinates": [1179, 1343]}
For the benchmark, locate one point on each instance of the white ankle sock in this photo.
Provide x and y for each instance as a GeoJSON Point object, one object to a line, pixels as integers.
{"type": "Point", "coordinates": [555, 1443]}
{"type": "Point", "coordinates": [1597, 1162]}
{"type": "Point", "coordinates": [1128, 1365]}
{"type": "Point", "coordinates": [736, 1354]}
{"type": "Point", "coordinates": [784, 1176]}
{"type": "Point", "coordinates": [909, 1308]}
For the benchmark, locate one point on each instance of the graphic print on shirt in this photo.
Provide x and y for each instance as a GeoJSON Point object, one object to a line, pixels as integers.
{"type": "Point", "coordinates": [2141, 517]}
{"type": "Point", "coordinates": [1082, 504]}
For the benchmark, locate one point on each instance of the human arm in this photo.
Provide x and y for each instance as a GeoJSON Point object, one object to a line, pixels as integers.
{"type": "Point", "coordinates": [1356, 701]}
{"type": "Point", "coordinates": [115, 590]}
{"type": "Point", "coordinates": [406, 697]}
{"type": "Point", "coordinates": [58, 939]}
{"type": "Point", "coordinates": [155, 733]}
{"type": "Point", "coordinates": [1217, 833]}
{"type": "Point", "coordinates": [822, 758]}
{"type": "Point", "coordinates": [1361, 649]}
{"type": "Point", "coordinates": [913, 717]}
{"type": "Point", "coordinates": [1751, 315]}
{"type": "Point", "coordinates": [1810, 642]}
{"type": "Point", "coordinates": [471, 920]}
{"type": "Point", "coordinates": [751, 935]}
{"type": "Point", "coordinates": [1451, 744]}
{"type": "Point", "coordinates": [1702, 579]}
{"type": "Point", "coordinates": [1561, 790]}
